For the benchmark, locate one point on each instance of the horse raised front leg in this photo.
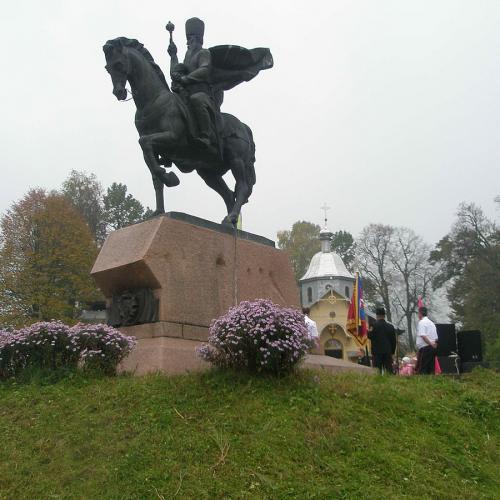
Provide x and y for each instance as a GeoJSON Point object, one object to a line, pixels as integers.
{"type": "Point", "coordinates": [148, 144]}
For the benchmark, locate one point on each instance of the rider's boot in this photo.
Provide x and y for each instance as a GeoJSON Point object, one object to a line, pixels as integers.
{"type": "Point", "coordinates": [205, 138]}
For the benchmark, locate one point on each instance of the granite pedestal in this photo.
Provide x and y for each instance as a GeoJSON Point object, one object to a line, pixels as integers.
{"type": "Point", "coordinates": [197, 270]}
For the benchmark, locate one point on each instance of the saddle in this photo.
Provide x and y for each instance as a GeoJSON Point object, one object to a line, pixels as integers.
{"type": "Point", "coordinates": [217, 125]}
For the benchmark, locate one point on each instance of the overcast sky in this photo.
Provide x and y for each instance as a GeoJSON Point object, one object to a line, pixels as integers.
{"type": "Point", "coordinates": [388, 111]}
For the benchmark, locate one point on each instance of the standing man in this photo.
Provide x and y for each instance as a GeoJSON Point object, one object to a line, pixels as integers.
{"type": "Point", "coordinates": [312, 328]}
{"type": "Point", "coordinates": [383, 341]}
{"type": "Point", "coordinates": [426, 344]}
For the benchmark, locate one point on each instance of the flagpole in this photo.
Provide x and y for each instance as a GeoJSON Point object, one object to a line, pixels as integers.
{"type": "Point", "coordinates": [357, 312]}
{"type": "Point", "coordinates": [397, 353]}
{"type": "Point", "coordinates": [356, 303]}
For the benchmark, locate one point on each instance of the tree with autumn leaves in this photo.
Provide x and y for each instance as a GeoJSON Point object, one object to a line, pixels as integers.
{"type": "Point", "coordinates": [49, 242]}
{"type": "Point", "coordinates": [46, 253]}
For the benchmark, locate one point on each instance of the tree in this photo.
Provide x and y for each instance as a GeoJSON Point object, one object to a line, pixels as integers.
{"type": "Point", "coordinates": [85, 192]}
{"type": "Point", "coordinates": [148, 214]}
{"type": "Point", "coordinates": [302, 242]}
{"type": "Point", "coordinates": [413, 276]}
{"type": "Point", "coordinates": [343, 244]}
{"type": "Point", "coordinates": [395, 262]}
{"type": "Point", "coordinates": [121, 209]}
{"type": "Point", "coordinates": [18, 240]}
{"type": "Point", "coordinates": [374, 262]}
{"type": "Point", "coordinates": [46, 253]}
{"type": "Point", "coordinates": [470, 258]}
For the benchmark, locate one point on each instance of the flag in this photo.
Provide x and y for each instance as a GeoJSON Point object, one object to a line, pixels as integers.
{"type": "Point", "coordinates": [420, 304]}
{"type": "Point", "coordinates": [356, 316]}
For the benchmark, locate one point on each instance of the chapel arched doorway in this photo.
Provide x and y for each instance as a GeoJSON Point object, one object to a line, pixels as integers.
{"type": "Point", "coordinates": [334, 348]}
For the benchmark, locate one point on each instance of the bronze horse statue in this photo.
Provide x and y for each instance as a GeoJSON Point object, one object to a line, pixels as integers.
{"type": "Point", "coordinates": [165, 130]}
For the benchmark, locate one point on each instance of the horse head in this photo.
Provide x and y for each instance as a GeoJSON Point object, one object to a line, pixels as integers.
{"type": "Point", "coordinates": [117, 65]}
{"type": "Point", "coordinates": [121, 54]}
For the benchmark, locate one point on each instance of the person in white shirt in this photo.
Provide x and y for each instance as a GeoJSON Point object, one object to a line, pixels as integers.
{"type": "Point", "coordinates": [426, 344]}
{"type": "Point", "coordinates": [312, 328]}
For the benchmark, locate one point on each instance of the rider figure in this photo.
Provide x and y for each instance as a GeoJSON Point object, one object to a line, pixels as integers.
{"type": "Point", "coordinates": [192, 78]}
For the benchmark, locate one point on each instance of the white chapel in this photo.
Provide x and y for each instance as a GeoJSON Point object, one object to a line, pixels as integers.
{"type": "Point", "coordinates": [326, 288]}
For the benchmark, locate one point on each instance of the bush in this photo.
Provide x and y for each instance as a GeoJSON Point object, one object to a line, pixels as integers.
{"type": "Point", "coordinates": [101, 347]}
{"type": "Point", "coordinates": [259, 336]}
{"type": "Point", "coordinates": [53, 345]}
{"type": "Point", "coordinates": [44, 345]}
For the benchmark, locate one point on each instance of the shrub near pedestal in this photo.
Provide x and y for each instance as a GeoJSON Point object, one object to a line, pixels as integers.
{"type": "Point", "coordinates": [43, 345]}
{"type": "Point", "coordinates": [54, 345]}
{"type": "Point", "coordinates": [258, 336]}
{"type": "Point", "coordinates": [101, 347]}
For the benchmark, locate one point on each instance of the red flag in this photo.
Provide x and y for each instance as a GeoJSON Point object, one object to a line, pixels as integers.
{"type": "Point", "coordinates": [420, 304]}
{"type": "Point", "coordinates": [356, 316]}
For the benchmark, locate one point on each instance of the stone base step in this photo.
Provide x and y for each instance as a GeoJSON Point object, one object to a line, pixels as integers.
{"type": "Point", "coordinates": [173, 356]}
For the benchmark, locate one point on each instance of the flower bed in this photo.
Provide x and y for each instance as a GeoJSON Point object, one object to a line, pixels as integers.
{"type": "Point", "coordinates": [259, 336]}
{"type": "Point", "coordinates": [53, 345]}
{"type": "Point", "coordinates": [101, 346]}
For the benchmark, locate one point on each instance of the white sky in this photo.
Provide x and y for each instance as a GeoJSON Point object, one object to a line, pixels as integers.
{"type": "Point", "coordinates": [388, 111]}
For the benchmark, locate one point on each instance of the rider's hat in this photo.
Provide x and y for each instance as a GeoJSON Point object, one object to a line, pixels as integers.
{"type": "Point", "coordinates": [195, 26]}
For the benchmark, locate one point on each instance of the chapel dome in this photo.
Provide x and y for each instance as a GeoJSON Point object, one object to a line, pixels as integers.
{"type": "Point", "coordinates": [326, 264]}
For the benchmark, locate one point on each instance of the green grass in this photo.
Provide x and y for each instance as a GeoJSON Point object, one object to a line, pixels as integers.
{"type": "Point", "coordinates": [222, 435]}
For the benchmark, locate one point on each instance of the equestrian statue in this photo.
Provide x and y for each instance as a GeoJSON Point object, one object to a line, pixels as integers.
{"type": "Point", "coordinates": [183, 125]}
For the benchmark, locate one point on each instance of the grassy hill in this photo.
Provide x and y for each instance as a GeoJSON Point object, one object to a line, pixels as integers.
{"type": "Point", "coordinates": [221, 435]}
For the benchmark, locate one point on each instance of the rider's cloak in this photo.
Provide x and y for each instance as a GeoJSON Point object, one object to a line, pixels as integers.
{"type": "Point", "coordinates": [232, 65]}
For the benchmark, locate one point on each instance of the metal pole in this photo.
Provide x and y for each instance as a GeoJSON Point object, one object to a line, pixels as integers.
{"type": "Point", "coordinates": [235, 266]}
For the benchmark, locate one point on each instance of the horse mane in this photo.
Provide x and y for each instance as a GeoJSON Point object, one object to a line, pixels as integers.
{"type": "Point", "coordinates": [132, 43]}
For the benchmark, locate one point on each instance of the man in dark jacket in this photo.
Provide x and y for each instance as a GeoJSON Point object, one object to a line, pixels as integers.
{"type": "Point", "coordinates": [383, 341]}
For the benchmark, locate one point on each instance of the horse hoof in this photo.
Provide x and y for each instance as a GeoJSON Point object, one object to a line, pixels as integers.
{"type": "Point", "coordinates": [226, 221]}
{"type": "Point", "coordinates": [230, 220]}
{"type": "Point", "coordinates": [170, 179]}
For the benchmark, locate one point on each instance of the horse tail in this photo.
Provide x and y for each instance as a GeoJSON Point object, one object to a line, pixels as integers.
{"type": "Point", "coordinates": [250, 163]}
